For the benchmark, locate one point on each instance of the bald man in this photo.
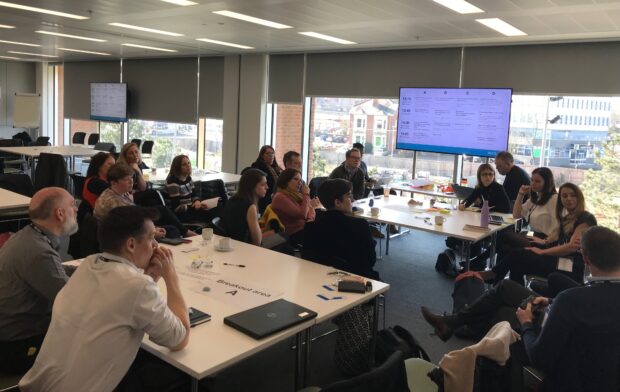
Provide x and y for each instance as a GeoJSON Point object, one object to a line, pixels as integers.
{"type": "Point", "coordinates": [31, 275]}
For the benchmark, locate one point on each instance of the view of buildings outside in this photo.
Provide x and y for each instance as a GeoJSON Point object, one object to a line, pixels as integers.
{"type": "Point", "coordinates": [577, 137]}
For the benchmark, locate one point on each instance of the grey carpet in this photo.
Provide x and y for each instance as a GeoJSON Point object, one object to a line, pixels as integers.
{"type": "Point", "coordinates": [410, 271]}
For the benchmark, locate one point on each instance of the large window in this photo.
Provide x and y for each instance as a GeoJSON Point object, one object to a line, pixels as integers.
{"type": "Point", "coordinates": [213, 135]}
{"type": "Point", "coordinates": [286, 129]}
{"type": "Point", "coordinates": [170, 140]}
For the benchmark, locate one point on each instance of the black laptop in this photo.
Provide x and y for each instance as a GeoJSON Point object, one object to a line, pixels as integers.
{"type": "Point", "coordinates": [265, 320]}
{"type": "Point", "coordinates": [462, 192]}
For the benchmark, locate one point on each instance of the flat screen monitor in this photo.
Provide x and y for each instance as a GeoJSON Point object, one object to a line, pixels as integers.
{"type": "Point", "coordinates": [108, 101]}
{"type": "Point", "coordinates": [471, 121]}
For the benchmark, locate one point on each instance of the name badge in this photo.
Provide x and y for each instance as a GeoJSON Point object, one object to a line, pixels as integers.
{"type": "Point", "coordinates": [565, 264]}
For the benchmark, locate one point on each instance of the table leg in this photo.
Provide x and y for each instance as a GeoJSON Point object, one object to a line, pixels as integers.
{"type": "Point", "coordinates": [307, 353]}
{"type": "Point", "coordinates": [387, 239]}
{"type": "Point", "coordinates": [466, 252]}
{"type": "Point", "coordinates": [299, 360]}
{"type": "Point", "coordinates": [194, 385]}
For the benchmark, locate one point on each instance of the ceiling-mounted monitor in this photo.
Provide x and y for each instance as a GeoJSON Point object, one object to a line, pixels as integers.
{"type": "Point", "coordinates": [472, 121]}
{"type": "Point", "coordinates": [108, 101]}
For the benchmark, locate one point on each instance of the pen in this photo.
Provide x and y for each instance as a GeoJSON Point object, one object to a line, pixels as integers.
{"type": "Point", "coordinates": [235, 265]}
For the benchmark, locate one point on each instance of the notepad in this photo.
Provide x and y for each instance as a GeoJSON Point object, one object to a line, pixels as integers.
{"type": "Point", "coordinates": [210, 203]}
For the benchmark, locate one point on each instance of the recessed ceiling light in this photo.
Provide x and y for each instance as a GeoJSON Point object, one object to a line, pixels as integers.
{"type": "Point", "coordinates": [184, 3]}
{"type": "Point", "coordinates": [32, 54]}
{"type": "Point", "coordinates": [327, 38]}
{"type": "Point", "coordinates": [6, 26]}
{"type": "Point", "coordinates": [41, 10]}
{"type": "Point", "coordinates": [213, 41]}
{"type": "Point", "coordinates": [127, 26]}
{"type": "Point", "coordinates": [149, 47]}
{"type": "Point", "coordinates": [84, 51]}
{"type": "Point", "coordinates": [70, 36]}
{"type": "Point", "coordinates": [18, 43]}
{"type": "Point", "coordinates": [10, 58]}
{"type": "Point", "coordinates": [501, 26]}
{"type": "Point", "coordinates": [252, 19]}
{"type": "Point", "coordinates": [460, 6]}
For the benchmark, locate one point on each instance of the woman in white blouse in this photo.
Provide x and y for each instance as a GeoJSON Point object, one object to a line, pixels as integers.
{"type": "Point", "coordinates": [539, 209]}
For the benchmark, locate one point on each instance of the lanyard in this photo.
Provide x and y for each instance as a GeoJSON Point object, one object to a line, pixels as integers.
{"type": "Point", "coordinates": [35, 228]}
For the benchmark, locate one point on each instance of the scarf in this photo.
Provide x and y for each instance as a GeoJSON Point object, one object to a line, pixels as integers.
{"type": "Point", "coordinates": [296, 196]}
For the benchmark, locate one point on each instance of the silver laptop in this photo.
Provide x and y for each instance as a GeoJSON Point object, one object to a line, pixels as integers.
{"type": "Point", "coordinates": [265, 320]}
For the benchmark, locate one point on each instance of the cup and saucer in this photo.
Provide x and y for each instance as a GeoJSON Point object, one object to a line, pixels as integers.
{"type": "Point", "coordinates": [223, 245]}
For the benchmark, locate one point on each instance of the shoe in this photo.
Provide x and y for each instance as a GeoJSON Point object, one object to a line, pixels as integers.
{"type": "Point", "coordinates": [394, 229]}
{"type": "Point", "coordinates": [443, 325]}
{"type": "Point", "coordinates": [376, 233]}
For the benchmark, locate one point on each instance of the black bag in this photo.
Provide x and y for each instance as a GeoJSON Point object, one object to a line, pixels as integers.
{"type": "Point", "coordinates": [396, 338]}
{"type": "Point", "coordinates": [352, 351]}
{"type": "Point", "coordinates": [446, 263]}
{"type": "Point", "coordinates": [467, 288]}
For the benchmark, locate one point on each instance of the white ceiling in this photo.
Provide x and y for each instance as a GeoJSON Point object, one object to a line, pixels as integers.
{"type": "Point", "coordinates": [372, 24]}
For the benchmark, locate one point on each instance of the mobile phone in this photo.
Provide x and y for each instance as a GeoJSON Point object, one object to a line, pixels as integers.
{"type": "Point", "coordinates": [197, 317]}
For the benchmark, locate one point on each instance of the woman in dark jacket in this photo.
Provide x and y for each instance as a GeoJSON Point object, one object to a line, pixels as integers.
{"type": "Point", "coordinates": [488, 189]}
{"type": "Point", "coordinates": [266, 162]}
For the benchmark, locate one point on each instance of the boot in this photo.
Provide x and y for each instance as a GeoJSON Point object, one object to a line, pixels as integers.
{"type": "Point", "coordinates": [444, 325]}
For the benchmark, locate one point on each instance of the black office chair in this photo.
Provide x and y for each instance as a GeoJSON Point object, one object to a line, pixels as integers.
{"type": "Point", "coordinates": [93, 139]}
{"type": "Point", "coordinates": [51, 171]}
{"type": "Point", "coordinates": [214, 188]}
{"type": "Point", "coordinates": [216, 224]}
{"type": "Point", "coordinates": [137, 142]}
{"type": "Point", "coordinates": [314, 185]}
{"type": "Point", "coordinates": [78, 138]}
{"type": "Point", "coordinates": [18, 183]}
{"type": "Point", "coordinates": [78, 184]}
{"type": "Point", "coordinates": [42, 141]}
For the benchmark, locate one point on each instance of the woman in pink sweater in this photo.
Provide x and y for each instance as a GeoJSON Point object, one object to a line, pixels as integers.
{"type": "Point", "coordinates": [292, 204]}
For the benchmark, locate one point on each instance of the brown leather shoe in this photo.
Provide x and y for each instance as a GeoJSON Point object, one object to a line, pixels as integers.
{"type": "Point", "coordinates": [376, 233]}
{"type": "Point", "coordinates": [443, 325]}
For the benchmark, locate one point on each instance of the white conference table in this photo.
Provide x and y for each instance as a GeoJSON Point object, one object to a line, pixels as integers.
{"type": "Point", "coordinates": [395, 210]}
{"type": "Point", "coordinates": [12, 202]}
{"type": "Point", "coordinates": [159, 176]}
{"type": "Point", "coordinates": [404, 187]}
{"type": "Point", "coordinates": [33, 152]}
{"type": "Point", "coordinates": [214, 346]}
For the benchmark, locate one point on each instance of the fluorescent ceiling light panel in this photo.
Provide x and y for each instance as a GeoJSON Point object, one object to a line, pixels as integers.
{"type": "Point", "coordinates": [41, 10]}
{"type": "Point", "coordinates": [70, 36]}
{"type": "Point", "coordinates": [501, 26]}
{"type": "Point", "coordinates": [84, 51]}
{"type": "Point", "coordinates": [31, 54]}
{"type": "Point", "coordinates": [213, 41]}
{"type": "Point", "coordinates": [146, 29]}
{"type": "Point", "coordinates": [184, 3]}
{"type": "Point", "coordinates": [18, 43]}
{"type": "Point", "coordinates": [10, 58]}
{"type": "Point", "coordinates": [6, 26]}
{"type": "Point", "coordinates": [327, 38]}
{"type": "Point", "coordinates": [460, 6]}
{"type": "Point", "coordinates": [251, 19]}
{"type": "Point", "coordinates": [150, 47]}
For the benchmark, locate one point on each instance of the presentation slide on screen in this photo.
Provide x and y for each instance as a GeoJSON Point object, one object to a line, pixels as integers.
{"type": "Point", "coordinates": [108, 101]}
{"type": "Point", "coordinates": [458, 121]}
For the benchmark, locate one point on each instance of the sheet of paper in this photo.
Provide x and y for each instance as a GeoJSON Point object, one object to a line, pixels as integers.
{"type": "Point", "coordinates": [210, 203]}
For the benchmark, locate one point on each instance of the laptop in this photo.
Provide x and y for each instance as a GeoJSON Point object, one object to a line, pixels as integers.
{"type": "Point", "coordinates": [462, 192]}
{"type": "Point", "coordinates": [267, 319]}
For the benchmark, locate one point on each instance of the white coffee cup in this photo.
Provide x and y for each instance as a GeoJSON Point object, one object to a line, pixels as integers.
{"type": "Point", "coordinates": [374, 211]}
{"type": "Point", "coordinates": [224, 243]}
{"type": "Point", "coordinates": [207, 234]}
{"type": "Point", "coordinates": [439, 220]}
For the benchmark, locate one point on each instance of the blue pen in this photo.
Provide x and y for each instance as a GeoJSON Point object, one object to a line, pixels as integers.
{"type": "Point", "coordinates": [326, 287]}
{"type": "Point", "coordinates": [322, 297]}
{"type": "Point", "coordinates": [337, 297]}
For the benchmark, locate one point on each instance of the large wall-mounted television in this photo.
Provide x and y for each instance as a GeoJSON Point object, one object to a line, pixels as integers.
{"type": "Point", "coordinates": [471, 121]}
{"type": "Point", "coordinates": [108, 101]}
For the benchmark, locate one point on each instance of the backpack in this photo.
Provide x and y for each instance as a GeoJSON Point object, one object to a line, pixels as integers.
{"type": "Point", "coordinates": [446, 263]}
{"type": "Point", "coordinates": [468, 287]}
{"type": "Point", "coordinates": [396, 338]}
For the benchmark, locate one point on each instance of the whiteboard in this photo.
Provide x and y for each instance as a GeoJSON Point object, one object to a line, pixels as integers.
{"type": "Point", "coordinates": [27, 110]}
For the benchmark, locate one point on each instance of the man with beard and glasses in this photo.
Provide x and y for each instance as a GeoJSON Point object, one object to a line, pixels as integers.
{"type": "Point", "coordinates": [31, 275]}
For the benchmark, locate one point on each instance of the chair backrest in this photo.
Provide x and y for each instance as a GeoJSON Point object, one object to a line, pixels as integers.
{"type": "Point", "coordinates": [51, 171]}
{"type": "Point", "coordinates": [42, 141]}
{"type": "Point", "coordinates": [93, 139]}
{"type": "Point", "coordinates": [147, 147]}
{"type": "Point", "coordinates": [137, 142]}
{"type": "Point", "coordinates": [217, 227]}
{"type": "Point", "coordinates": [213, 188]}
{"type": "Point", "coordinates": [109, 147]}
{"type": "Point", "coordinates": [78, 184]}
{"type": "Point", "coordinates": [78, 138]}
{"type": "Point", "coordinates": [311, 250]}
{"type": "Point", "coordinates": [314, 185]}
{"type": "Point", "coordinates": [18, 183]}
{"type": "Point", "coordinates": [390, 376]}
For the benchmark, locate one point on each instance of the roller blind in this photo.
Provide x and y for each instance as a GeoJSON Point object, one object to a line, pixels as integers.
{"type": "Point", "coordinates": [286, 78]}
{"type": "Point", "coordinates": [162, 89]}
{"type": "Point", "coordinates": [380, 73]}
{"type": "Point", "coordinates": [78, 77]}
{"type": "Point", "coordinates": [211, 87]}
{"type": "Point", "coordinates": [580, 68]}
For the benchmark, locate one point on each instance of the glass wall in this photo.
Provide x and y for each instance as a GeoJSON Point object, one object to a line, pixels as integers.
{"type": "Point", "coordinates": [170, 140]}
{"type": "Point", "coordinates": [213, 130]}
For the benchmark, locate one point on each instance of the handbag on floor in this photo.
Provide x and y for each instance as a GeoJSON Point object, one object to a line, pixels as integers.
{"type": "Point", "coordinates": [446, 263]}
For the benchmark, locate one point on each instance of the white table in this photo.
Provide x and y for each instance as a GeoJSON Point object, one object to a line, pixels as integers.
{"type": "Point", "coordinates": [404, 187]}
{"type": "Point", "coordinates": [160, 175]}
{"type": "Point", "coordinates": [395, 210]}
{"type": "Point", "coordinates": [213, 346]}
{"type": "Point", "coordinates": [33, 152]}
{"type": "Point", "coordinates": [11, 202]}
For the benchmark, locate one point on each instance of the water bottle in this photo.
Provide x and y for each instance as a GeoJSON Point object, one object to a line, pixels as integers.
{"type": "Point", "coordinates": [484, 214]}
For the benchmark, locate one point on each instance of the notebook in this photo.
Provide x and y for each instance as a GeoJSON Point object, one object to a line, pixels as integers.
{"type": "Point", "coordinates": [265, 320]}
